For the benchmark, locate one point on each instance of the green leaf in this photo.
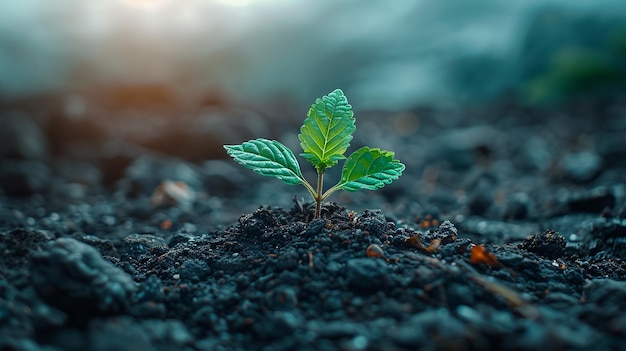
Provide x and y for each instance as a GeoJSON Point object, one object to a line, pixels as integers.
{"type": "Point", "coordinates": [268, 158]}
{"type": "Point", "coordinates": [369, 168]}
{"type": "Point", "coordinates": [327, 130]}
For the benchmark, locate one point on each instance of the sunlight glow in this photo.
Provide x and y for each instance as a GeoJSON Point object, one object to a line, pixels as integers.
{"type": "Point", "coordinates": [230, 3]}
{"type": "Point", "coordinates": [239, 3]}
{"type": "Point", "coordinates": [146, 3]}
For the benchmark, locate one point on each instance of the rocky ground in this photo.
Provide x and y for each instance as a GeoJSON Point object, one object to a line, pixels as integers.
{"type": "Point", "coordinates": [122, 232]}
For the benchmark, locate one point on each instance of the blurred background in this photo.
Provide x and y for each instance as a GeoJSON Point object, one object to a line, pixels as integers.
{"type": "Point", "coordinates": [88, 88]}
{"type": "Point", "coordinates": [385, 55]}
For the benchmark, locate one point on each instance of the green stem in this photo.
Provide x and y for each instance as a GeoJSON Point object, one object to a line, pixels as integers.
{"type": "Point", "coordinates": [318, 196]}
{"type": "Point", "coordinates": [331, 190]}
{"type": "Point", "coordinates": [309, 187]}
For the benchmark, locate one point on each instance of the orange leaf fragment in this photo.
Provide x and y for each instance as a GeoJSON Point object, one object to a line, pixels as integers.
{"type": "Point", "coordinates": [481, 255]}
{"type": "Point", "coordinates": [416, 242]}
{"type": "Point", "coordinates": [434, 245]}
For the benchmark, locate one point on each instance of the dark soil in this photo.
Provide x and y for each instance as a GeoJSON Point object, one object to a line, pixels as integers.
{"type": "Point", "coordinates": [507, 232]}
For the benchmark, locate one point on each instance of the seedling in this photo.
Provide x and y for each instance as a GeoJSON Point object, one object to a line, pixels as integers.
{"type": "Point", "coordinates": [324, 137]}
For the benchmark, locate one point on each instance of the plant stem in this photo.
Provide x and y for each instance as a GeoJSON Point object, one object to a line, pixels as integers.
{"type": "Point", "coordinates": [309, 187]}
{"type": "Point", "coordinates": [318, 197]}
{"type": "Point", "coordinates": [331, 190]}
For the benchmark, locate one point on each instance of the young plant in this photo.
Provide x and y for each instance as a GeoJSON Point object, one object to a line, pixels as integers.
{"type": "Point", "coordinates": [324, 138]}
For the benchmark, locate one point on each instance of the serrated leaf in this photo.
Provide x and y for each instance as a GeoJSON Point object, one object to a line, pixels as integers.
{"type": "Point", "coordinates": [327, 131]}
{"type": "Point", "coordinates": [369, 168]}
{"type": "Point", "coordinates": [268, 158]}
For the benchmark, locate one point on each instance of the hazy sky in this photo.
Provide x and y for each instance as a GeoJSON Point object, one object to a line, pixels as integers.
{"type": "Point", "coordinates": [259, 48]}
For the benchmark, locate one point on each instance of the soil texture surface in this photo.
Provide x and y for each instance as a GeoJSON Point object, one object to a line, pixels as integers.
{"type": "Point", "coordinates": [507, 231]}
